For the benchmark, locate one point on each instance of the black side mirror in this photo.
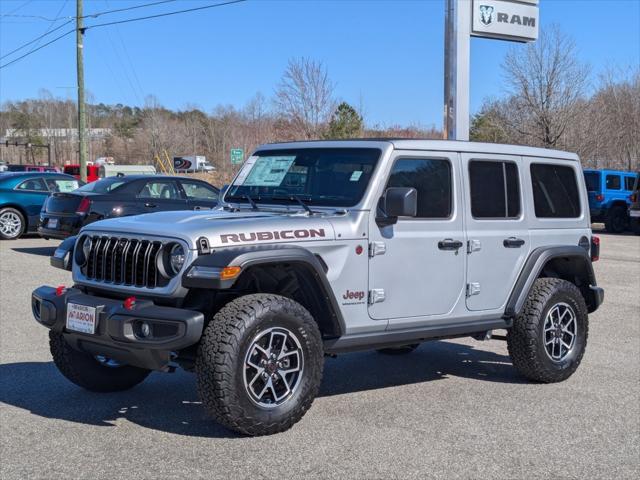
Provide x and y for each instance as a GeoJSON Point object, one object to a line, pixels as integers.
{"type": "Point", "coordinates": [397, 202]}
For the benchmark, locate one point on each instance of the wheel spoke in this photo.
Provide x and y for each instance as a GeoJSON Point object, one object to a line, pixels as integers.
{"type": "Point", "coordinates": [256, 377]}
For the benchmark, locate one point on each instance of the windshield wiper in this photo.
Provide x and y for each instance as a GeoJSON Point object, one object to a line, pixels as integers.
{"type": "Point", "coordinates": [295, 197]}
{"type": "Point", "coordinates": [252, 202]}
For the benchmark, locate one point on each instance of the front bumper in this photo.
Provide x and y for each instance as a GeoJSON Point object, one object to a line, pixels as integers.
{"type": "Point", "coordinates": [118, 329]}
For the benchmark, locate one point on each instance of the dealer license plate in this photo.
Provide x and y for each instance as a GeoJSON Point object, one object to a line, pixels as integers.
{"type": "Point", "coordinates": [53, 223]}
{"type": "Point", "coordinates": [81, 318]}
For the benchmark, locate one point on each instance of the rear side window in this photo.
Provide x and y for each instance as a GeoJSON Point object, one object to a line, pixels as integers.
{"type": "Point", "coordinates": [592, 179]}
{"type": "Point", "coordinates": [495, 189]}
{"type": "Point", "coordinates": [431, 178]}
{"type": "Point", "coordinates": [629, 182]}
{"type": "Point", "coordinates": [555, 191]}
{"type": "Point", "coordinates": [613, 182]}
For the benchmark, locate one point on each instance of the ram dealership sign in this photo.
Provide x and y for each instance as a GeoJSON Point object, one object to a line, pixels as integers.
{"type": "Point", "coordinates": [505, 19]}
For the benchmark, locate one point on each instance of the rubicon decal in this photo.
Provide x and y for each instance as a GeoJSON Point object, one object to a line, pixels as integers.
{"type": "Point", "coordinates": [276, 235]}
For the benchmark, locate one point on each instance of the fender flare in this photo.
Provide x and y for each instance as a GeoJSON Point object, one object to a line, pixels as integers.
{"type": "Point", "coordinates": [251, 256]}
{"type": "Point", "coordinates": [534, 265]}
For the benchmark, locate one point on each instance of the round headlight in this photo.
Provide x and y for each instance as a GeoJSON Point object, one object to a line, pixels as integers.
{"type": "Point", "coordinates": [176, 258]}
{"type": "Point", "coordinates": [83, 254]}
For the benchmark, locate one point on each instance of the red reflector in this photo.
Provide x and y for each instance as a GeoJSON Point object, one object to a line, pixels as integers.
{"type": "Point", "coordinates": [85, 203]}
{"type": "Point", "coordinates": [359, 250]}
{"type": "Point", "coordinates": [599, 197]}
{"type": "Point", "coordinates": [129, 303]}
{"type": "Point", "coordinates": [60, 290]}
{"type": "Point", "coordinates": [595, 249]}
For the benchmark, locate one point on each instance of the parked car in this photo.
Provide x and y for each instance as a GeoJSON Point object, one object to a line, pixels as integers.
{"type": "Point", "coordinates": [380, 245]}
{"type": "Point", "coordinates": [74, 169]}
{"type": "Point", "coordinates": [634, 208]}
{"type": "Point", "coordinates": [22, 196]}
{"type": "Point", "coordinates": [64, 213]}
{"type": "Point", "coordinates": [609, 192]}
{"type": "Point", "coordinates": [31, 168]}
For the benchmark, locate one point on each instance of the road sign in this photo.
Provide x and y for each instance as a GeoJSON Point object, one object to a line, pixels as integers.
{"type": "Point", "coordinates": [505, 20]}
{"type": "Point", "coordinates": [237, 156]}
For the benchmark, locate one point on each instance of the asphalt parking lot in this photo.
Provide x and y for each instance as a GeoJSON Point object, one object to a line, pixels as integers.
{"type": "Point", "coordinates": [454, 409]}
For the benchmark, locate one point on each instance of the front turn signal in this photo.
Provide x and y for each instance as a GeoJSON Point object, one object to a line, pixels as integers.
{"type": "Point", "coordinates": [229, 273]}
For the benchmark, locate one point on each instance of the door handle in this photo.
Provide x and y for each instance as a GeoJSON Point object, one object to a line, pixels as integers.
{"type": "Point", "coordinates": [150, 205]}
{"type": "Point", "coordinates": [449, 244]}
{"type": "Point", "coordinates": [513, 242]}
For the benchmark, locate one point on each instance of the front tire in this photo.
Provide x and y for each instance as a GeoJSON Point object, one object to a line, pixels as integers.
{"type": "Point", "coordinates": [617, 220]}
{"type": "Point", "coordinates": [96, 374]}
{"type": "Point", "coordinates": [548, 339]}
{"type": "Point", "coordinates": [259, 364]}
{"type": "Point", "coordinates": [12, 223]}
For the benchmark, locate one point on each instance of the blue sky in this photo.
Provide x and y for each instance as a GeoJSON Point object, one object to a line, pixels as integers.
{"type": "Point", "coordinates": [386, 54]}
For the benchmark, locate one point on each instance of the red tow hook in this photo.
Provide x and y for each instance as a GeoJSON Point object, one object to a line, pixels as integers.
{"type": "Point", "coordinates": [60, 290]}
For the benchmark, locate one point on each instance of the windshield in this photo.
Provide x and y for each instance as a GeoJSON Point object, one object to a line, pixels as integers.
{"type": "Point", "coordinates": [102, 186]}
{"type": "Point", "coordinates": [592, 179]}
{"type": "Point", "coordinates": [318, 176]}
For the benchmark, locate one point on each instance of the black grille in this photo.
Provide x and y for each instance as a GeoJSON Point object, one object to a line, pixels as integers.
{"type": "Point", "coordinates": [124, 261]}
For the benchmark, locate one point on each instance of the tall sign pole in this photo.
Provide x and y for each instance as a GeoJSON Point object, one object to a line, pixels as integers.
{"type": "Point", "coordinates": [82, 141]}
{"type": "Point", "coordinates": [512, 20]}
{"type": "Point", "coordinates": [457, 48]}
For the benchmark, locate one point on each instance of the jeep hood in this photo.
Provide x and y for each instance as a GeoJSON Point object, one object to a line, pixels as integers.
{"type": "Point", "coordinates": [222, 228]}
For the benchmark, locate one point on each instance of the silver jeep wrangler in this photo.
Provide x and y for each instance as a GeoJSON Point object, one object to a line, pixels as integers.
{"type": "Point", "coordinates": [320, 248]}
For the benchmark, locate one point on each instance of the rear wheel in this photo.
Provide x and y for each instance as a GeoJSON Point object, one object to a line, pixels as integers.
{"type": "Point", "coordinates": [95, 373]}
{"type": "Point", "coordinates": [12, 223]}
{"type": "Point", "coordinates": [617, 220]}
{"type": "Point", "coordinates": [259, 364]}
{"type": "Point", "coordinates": [548, 339]}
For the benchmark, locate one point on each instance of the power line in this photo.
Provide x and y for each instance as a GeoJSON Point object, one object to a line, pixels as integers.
{"type": "Point", "coordinates": [48, 30]}
{"type": "Point", "coordinates": [164, 14]}
{"type": "Point", "coordinates": [36, 39]}
{"type": "Point", "coordinates": [91, 15]}
{"type": "Point", "coordinates": [18, 8]}
{"type": "Point", "coordinates": [95, 15]}
{"type": "Point", "coordinates": [36, 49]}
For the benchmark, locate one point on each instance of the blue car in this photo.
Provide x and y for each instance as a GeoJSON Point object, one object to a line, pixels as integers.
{"type": "Point", "coordinates": [22, 196]}
{"type": "Point", "coordinates": [609, 197]}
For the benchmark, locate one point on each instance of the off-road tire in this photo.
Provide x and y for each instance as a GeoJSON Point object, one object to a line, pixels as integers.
{"type": "Point", "coordinates": [403, 350]}
{"type": "Point", "coordinates": [87, 372]}
{"type": "Point", "coordinates": [221, 356]}
{"type": "Point", "coordinates": [617, 220]}
{"type": "Point", "coordinates": [21, 218]}
{"type": "Point", "coordinates": [525, 340]}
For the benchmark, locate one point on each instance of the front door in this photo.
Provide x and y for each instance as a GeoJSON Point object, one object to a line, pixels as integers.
{"type": "Point", "coordinates": [497, 230]}
{"type": "Point", "coordinates": [416, 267]}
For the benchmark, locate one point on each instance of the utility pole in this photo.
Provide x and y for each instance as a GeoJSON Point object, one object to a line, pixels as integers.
{"type": "Point", "coordinates": [81, 107]}
{"type": "Point", "coordinates": [457, 46]}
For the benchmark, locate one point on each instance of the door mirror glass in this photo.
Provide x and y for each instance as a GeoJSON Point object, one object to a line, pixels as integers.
{"type": "Point", "coordinates": [398, 202]}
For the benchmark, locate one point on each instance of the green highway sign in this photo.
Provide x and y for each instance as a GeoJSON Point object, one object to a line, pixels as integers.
{"type": "Point", "coordinates": [237, 156]}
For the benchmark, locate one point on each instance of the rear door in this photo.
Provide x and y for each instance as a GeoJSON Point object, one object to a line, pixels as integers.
{"type": "Point", "coordinates": [160, 195]}
{"type": "Point", "coordinates": [498, 240]}
{"type": "Point", "coordinates": [200, 195]}
{"type": "Point", "coordinates": [33, 193]}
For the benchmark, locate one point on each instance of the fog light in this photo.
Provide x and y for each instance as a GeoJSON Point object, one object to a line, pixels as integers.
{"type": "Point", "coordinates": [145, 329]}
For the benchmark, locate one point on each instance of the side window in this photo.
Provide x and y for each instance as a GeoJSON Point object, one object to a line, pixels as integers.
{"type": "Point", "coordinates": [160, 190]}
{"type": "Point", "coordinates": [432, 180]}
{"type": "Point", "coordinates": [199, 191]}
{"type": "Point", "coordinates": [629, 182]}
{"type": "Point", "coordinates": [495, 189]}
{"type": "Point", "coordinates": [33, 185]}
{"type": "Point", "coordinates": [613, 182]}
{"type": "Point", "coordinates": [555, 191]}
{"type": "Point", "coordinates": [62, 184]}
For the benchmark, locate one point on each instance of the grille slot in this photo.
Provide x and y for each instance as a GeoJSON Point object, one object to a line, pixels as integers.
{"type": "Point", "coordinates": [124, 261]}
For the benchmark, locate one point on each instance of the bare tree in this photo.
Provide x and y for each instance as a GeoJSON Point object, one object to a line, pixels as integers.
{"type": "Point", "coordinates": [305, 97]}
{"type": "Point", "coordinates": [547, 83]}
